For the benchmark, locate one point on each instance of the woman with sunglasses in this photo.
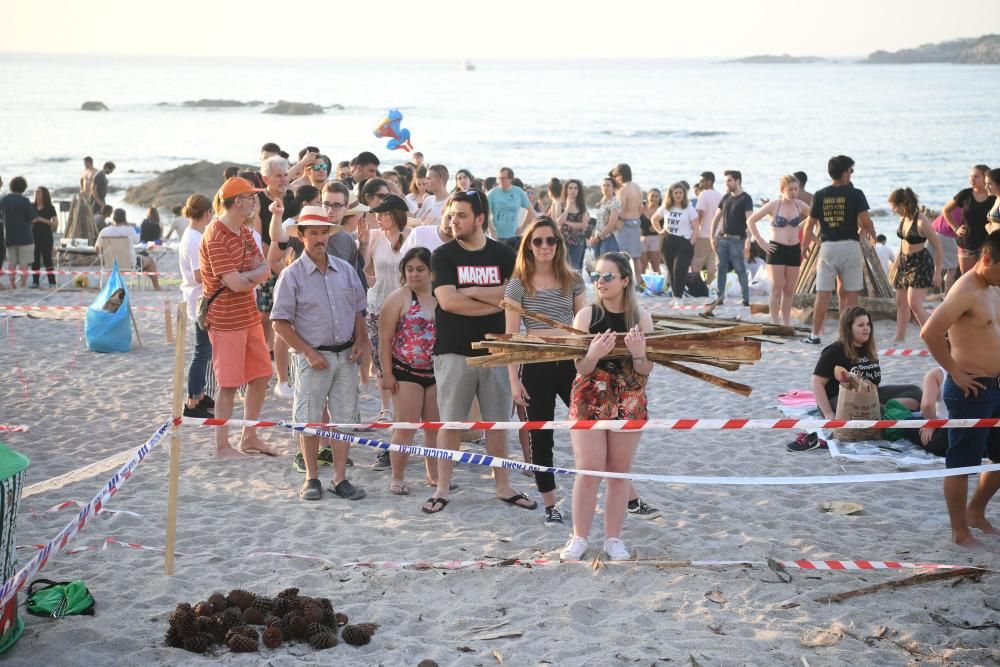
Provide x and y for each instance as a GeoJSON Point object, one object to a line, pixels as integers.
{"type": "Point", "coordinates": [543, 283]}
{"type": "Point", "coordinates": [608, 389]}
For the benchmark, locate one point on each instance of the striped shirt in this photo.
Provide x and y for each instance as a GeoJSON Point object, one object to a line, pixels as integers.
{"type": "Point", "coordinates": [321, 306]}
{"type": "Point", "coordinates": [551, 302]}
{"type": "Point", "coordinates": [221, 252]}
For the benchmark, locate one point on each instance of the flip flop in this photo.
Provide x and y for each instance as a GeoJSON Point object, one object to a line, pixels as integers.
{"type": "Point", "coordinates": [399, 489]}
{"type": "Point", "coordinates": [437, 504]}
{"type": "Point", "coordinates": [513, 501]}
{"type": "Point", "coordinates": [254, 451]}
{"type": "Point", "coordinates": [451, 486]}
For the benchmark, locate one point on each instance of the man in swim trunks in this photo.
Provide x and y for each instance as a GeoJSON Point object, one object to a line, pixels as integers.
{"type": "Point", "coordinates": [630, 199]}
{"type": "Point", "coordinates": [970, 315]}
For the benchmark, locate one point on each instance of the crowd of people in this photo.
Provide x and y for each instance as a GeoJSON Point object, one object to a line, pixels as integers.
{"type": "Point", "coordinates": [327, 275]}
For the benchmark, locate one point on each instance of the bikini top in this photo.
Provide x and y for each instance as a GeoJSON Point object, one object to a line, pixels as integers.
{"type": "Point", "coordinates": [912, 235]}
{"type": "Point", "coordinates": [993, 215]}
{"type": "Point", "coordinates": [779, 220]}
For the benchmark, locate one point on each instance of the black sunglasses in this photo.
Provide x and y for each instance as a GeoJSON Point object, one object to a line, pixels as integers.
{"type": "Point", "coordinates": [537, 241]}
{"type": "Point", "coordinates": [605, 277]}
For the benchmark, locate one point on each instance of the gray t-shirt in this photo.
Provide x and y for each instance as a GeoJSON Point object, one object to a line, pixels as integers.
{"type": "Point", "coordinates": [101, 186]}
{"type": "Point", "coordinates": [344, 246]}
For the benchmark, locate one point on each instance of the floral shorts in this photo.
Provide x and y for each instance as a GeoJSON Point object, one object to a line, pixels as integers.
{"type": "Point", "coordinates": [602, 395]}
{"type": "Point", "coordinates": [916, 270]}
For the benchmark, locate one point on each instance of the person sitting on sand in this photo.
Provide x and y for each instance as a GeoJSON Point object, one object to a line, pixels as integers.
{"type": "Point", "coordinates": [406, 348]}
{"type": "Point", "coordinates": [970, 316]}
{"type": "Point", "coordinates": [855, 351]}
{"type": "Point", "coordinates": [232, 266]}
{"type": "Point", "coordinates": [123, 228]}
{"type": "Point", "coordinates": [313, 302]}
{"type": "Point", "coordinates": [608, 389]}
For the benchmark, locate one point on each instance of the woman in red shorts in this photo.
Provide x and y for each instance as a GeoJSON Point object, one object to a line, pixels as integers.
{"type": "Point", "coordinates": [608, 389]}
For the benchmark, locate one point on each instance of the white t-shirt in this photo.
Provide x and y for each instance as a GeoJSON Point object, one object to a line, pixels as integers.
{"type": "Point", "coordinates": [411, 201]}
{"type": "Point", "coordinates": [885, 256]}
{"type": "Point", "coordinates": [432, 204]}
{"type": "Point", "coordinates": [187, 259]}
{"type": "Point", "coordinates": [679, 221]}
{"type": "Point", "coordinates": [425, 236]}
{"type": "Point", "coordinates": [119, 231]}
{"type": "Point", "coordinates": [708, 204]}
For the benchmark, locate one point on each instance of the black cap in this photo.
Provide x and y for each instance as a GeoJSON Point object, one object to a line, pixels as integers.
{"type": "Point", "coordinates": [391, 203]}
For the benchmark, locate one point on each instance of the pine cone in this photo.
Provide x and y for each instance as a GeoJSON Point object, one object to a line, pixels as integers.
{"type": "Point", "coordinates": [183, 620]}
{"type": "Point", "coordinates": [218, 602]}
{"type": "Point", "coordinates": [314, 629]}
{"type": "Point", "coordinates": [218, 628]}
{"type": "Point", "coordinates": [272, 637]}
{"type": "Point", "coordinates": [427, 662]}
{"type": "Point", "coordinates": [204, 609]}
{"type": "Point", "coordinates": [280, 607]}
{"type": "Point", "coordinates": [370, 628]}
{"type": "Point", "coordinates": [289, 592]}
{"type": "Point", "coordinates": [312, 612]}
{"type": "Point", "coordinates": [298, 627]}
{"type": "Point", "coordinates": [240, 598]}
{"type": "Point", "coordinates": [183, 606]}
{"type": "Point", "coordinates": [241, 643]}
{"type": "Point", "coordinates": [253, 616]}
{"type": "Point", "coordinates": [272, 621]}
{"type": "Point", "coordinates": [173, 638]}
{"type": "Point", "coordinates": [323, 640]}
{"type": "Point", "coordinates": [329, 618]}
{"type": "Point", "coordinates": [341, 619]}
{"type": "Point", "coordinates": [197, 643]}
{"type": "Point", "coordinates": [355, 636]}
{"type": "Point", "coordinates": [245, 630]}
{"type": "Point", "coordinates": [232, 617]}
{"type": "Point", "coordinates": [263, 604]}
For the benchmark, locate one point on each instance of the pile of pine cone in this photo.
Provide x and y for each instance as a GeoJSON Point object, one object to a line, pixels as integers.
{"type": "Point", "coordinates": [229, 620]}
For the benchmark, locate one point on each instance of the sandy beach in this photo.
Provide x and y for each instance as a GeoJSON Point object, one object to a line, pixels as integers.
{"type": "Point", "coordinates": [83, 407]}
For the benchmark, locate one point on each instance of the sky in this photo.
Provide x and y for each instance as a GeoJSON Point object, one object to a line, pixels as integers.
{"type": "Point", "coordinates": [513, 29]}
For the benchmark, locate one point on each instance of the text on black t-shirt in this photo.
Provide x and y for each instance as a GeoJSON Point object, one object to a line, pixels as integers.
{"type": "Point", "coordinates": [837, 208]}
{"type": "Point", "coordinates": [833, 355]}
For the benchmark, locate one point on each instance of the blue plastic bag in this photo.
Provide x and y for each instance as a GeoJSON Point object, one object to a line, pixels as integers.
{"type": "Point", "coordinates": [108, 331]}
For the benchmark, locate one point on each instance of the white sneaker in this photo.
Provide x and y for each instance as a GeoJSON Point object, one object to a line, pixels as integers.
{"type": "Point", "coordinates": [615, 549]}
{"type": "Point", "coordinates": [574, 549]}
{"type": "Point", "coordinates": [283, 390]}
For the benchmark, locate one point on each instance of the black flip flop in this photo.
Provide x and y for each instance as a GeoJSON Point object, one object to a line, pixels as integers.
{"type": "Point", "coordinates": [513, 501]}
{"type": "Point", "coordinates": [437, 504]}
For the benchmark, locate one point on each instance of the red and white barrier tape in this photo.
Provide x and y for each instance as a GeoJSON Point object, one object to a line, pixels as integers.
{"type": "Point", "coordinates": [899, 352]}
{"type": "Point", "coordinates": [70, 530]}
{"type": "Point", "coordinates": [14, 428]}
{"type": "Point", "coordinates": [79, 503]}
{"type": "Point", "coordinates": [626, 425]}
{"type": "Point", "coordinates": [66, 272]}
{"type": "Point", "coordinates": [507, 464]}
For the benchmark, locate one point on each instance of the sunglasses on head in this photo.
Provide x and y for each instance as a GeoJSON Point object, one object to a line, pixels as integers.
{"type": "Point", "coordinates": [604, 277]}
{"type": "Point", "coordinates": [537, 241]}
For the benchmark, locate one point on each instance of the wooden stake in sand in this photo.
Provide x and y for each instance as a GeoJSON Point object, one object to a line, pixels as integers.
{"type": "Point", "coordinates": [167, 321]}
{"type": "Point", "coordinates": [175, 438]}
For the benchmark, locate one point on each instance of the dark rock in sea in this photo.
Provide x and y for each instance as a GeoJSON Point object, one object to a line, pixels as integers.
{"type": "Point", "coordinates": [163, 104]}
{"type": "Point", "coordinates": [983, 50]}
{"type": "Point", "coordinates": [205, 103]}
{"type": "Point", "coordinates": [173, 187]}
{"type": "Point", "coordinates": [294, 108]}
{"type": "Point", "coordinates": [783, 59]}
{"type": "Point", "coordinates": [335, 107]}
{"type": "Point", "coordinates": [93, 105]}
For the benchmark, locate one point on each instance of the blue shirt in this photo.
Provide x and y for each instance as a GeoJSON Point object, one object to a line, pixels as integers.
{"type": "Point", "coordinates": [506, 209]}
{"type": "Point", "coordinates": [17, 213]}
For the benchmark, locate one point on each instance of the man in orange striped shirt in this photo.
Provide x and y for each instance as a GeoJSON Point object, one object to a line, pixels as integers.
{"type": "Point", "coordinates": [231, 268]}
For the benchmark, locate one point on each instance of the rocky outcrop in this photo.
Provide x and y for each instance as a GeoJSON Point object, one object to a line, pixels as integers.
{"type": "Point", "coordinates": [294, 108]}
{"type": "Point", "coordinates": [93, 105]}
{"type": "Point", "coordinates": [783, 59]}
{"type": "Point", "coordinates": [983, 50]}
{"type": "Point", "coordinates": [173, 187]}
{"type": "Point", "coordinates": [220, 104]}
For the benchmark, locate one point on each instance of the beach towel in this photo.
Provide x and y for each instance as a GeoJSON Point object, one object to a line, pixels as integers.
{"type": "Point", "coordinates": [107, 326]}
{"type": "Point", "coordinates": [902, 453]}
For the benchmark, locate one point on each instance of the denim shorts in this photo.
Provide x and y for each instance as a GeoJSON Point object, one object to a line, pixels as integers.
{"type": "Point", "coordinates": [968, 446]}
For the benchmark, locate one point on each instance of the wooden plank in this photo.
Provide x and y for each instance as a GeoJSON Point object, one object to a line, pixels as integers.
{"type": "Point", "coordinates": [741, 389]}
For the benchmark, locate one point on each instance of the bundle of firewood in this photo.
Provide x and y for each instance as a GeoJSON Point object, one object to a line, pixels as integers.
{"type": "Point", "coordinates": [726, 348]}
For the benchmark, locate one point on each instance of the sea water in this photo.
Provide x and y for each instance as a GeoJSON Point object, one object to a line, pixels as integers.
{"type": "Point", "coordinates": [921, 126]}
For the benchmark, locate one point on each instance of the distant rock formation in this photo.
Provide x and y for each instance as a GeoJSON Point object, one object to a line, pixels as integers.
{"type": "Point", "coordinates": [783, 59]}
{"type": "Point", "coordinates": [93, 105]}
{"type": "Point", "coordinates": [294, 108]}
{"type": "Point", "coordinates": [220, 104]}
{"type": "Point", "coordinates": [173, 187]}
{"type": "Point", "coordinates": [983, 50]}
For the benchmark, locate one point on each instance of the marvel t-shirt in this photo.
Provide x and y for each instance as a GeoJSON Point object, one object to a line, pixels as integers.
{"type": "Point", "coordinates": [452, 264]}
{"type": "Point", "coordinates": [734, 214]}
{"type": "Point", "coordinates": [837, 208]}
{"type": "Point", "coordinates": [832, 356]}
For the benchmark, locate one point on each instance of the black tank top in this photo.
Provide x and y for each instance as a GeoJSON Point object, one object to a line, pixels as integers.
{"type": "Point", "coordinates": [601, 322]}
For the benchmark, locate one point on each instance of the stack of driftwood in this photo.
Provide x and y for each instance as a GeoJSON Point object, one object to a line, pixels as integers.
{"type": "Point", "coordinates": [725, 347]}
{"type": "Point", "coordinates": [878, 295]}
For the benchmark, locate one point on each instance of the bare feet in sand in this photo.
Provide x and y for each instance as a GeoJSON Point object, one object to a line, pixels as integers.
{"type": "Point", "coordinates": [229, 453]}
{"type": "Point", "coordinates": [254, 445]}
{"type": "Point", "coordinates": [982, 524]}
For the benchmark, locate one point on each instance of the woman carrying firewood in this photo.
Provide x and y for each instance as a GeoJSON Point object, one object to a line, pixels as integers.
{"type": "Point", "coordinates": [608, 389]}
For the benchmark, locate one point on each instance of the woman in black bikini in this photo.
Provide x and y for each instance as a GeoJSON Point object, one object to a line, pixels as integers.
{"type": "Point", "coordinates": [916, 270]}
{"type": "Point", "coordinates": [784, 254]}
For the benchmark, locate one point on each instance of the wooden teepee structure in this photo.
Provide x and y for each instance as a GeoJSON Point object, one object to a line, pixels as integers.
{"type": "Point", "coordinates": [80, 223]}
{"type": "Point", "coordinates": [877, 295]}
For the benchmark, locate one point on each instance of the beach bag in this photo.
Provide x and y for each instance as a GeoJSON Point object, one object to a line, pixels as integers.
{"type": "Point", "coordinates": [201, 308]}
{"type": "Point", "coordinates": [107, 327]}
{"type": "Point", "coordinates": [59, 598]}
{"type": "Point", "coordinates": [695, 285]}
{"type": "Point", "coordinates": [859, 403]}
{"type": "Point", "coordinates": [896, 411]}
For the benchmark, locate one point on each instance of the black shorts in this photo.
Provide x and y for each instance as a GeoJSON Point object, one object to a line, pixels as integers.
{"type": "Point", "coordinates": [785, 255]}
{"type": "Point", "coordinates": [915, 269]}
{"type": "Point", "coordinates": [406, 373]}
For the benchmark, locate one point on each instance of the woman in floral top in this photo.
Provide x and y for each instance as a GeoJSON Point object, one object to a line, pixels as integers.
{"type": "Point", "coordinates": [608, 212]}
{"type": "Point", "coordinates": [572, 215]}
